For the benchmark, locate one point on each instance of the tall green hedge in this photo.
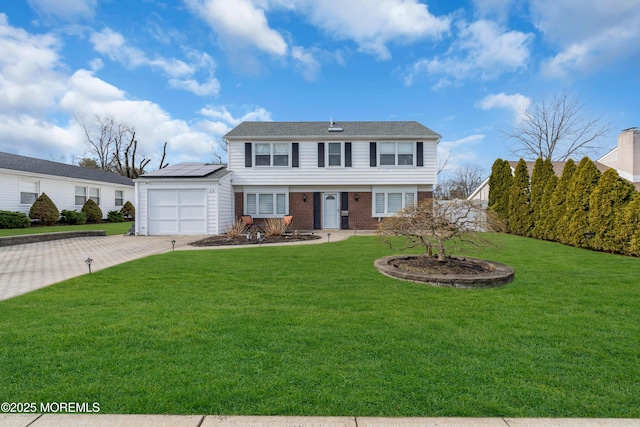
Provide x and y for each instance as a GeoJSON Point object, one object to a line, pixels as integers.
{"type": "Point", "coordinates": [542, 172]}
{"type": "Point", "coordinates": [520, 213]}
{"type": "Point", "coordinates": [629, 226]}
{"type": "Point", "coordinates": [499, 187]}
{"type": "Point", "coordinates": [544, 227]}
{"type": "Point", "coordinates": [575, 229]}
{"type": "Point", "coordinates": [606, 205]}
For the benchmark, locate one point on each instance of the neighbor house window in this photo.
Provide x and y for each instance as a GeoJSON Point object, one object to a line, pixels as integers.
{"type": "Point", "coordinates": [272, 154]}
{"type": "Point", "coordinates": [395, 153]}
{"type": "Point", "coordinates": [94, 194]}
{"type": "Point", "coordinates": [81, 195]}
{"type": "Point", "coordinates": [29, 191]}
{"type": "Point", "coordinates": [266, 204]}
{"type": "Point", "coordinates": [388, 203]}
{"type": "Point", "coordinates": [119, 198]}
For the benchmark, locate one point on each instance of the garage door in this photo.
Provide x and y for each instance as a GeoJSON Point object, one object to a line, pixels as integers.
{"type": "Point", "coordinates": [176, 212]}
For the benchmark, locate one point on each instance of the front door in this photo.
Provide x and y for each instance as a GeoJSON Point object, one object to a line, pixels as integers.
{"type": "Point", "coordinates": [330, 210]}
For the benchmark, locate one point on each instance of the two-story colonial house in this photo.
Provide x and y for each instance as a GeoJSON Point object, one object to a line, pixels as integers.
{"type": "Point", "coordinates": [327, 175]}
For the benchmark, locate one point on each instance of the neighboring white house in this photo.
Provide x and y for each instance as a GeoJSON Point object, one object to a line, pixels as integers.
{"type": "Point", "coordinates": [23, 179]}
{"type": "Point", "coordinates": [625, 159]}
{"type": "Point", "coordinates": [345, 175]}
{"type": "Point", "coordinates": [186, 198]}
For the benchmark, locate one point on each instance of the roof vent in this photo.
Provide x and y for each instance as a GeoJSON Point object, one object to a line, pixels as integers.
{"type": "Point", "coordinates": [333, 128]}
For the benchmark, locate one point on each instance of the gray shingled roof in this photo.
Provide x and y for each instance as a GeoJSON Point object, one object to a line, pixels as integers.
{"type": "Point", "coordinates": [189, 170]}
{"type": "Point", "coordinates": [47, 167]}
{"type": "Point", "coordinates": [321, 129]}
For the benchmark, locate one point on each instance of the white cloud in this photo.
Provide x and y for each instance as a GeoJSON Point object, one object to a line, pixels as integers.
{"type": "Point", "coordinates": [30, 76]}
{"type": "Point", "coordinates": [67, 10]}
{"type": "Point", "coordinates": [240, 23]}
{"type": "Point", "coordinates": [181, 73]}
{"type": "Point", "coordinates": [373, 25]}
{"type": "Point", "coordinates": [517, 103]}
{"type": "Point", "coordinates": [458, 152]}
{"type": "Point", "coordinates": [590, 37]}
{"type": "Point", "coordinates": [499, 9]}
{"type": "Point", "coordinates": [306, 62]}
{"type": "Point", "coordinates": [484, 50]}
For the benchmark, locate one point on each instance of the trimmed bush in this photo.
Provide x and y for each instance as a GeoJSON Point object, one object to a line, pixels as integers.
{"type": "Point", "coordinates": [542, 228]}
{"type": "Point", "coordinates": [629, 226]}
{"type": "Point", "coordinates": [73, 217]}
{"type": "Point", "coordinates": [13, 220]}
{"type": "Point", "coordinates": [115, 216]}
{"type": "Point", "coordinates": [128, 211]}
{"type": "Point", "coordinates": [92, 211]}
{"type": "Point", "coordinates": [542, 173]}
{"type": "Point", "coordinates": [44, 210]}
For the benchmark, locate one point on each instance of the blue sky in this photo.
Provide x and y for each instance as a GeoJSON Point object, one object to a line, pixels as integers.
{"type": "Point", "coordinates": [188, 71]}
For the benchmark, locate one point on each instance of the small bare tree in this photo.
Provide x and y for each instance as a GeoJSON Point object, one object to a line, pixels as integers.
{"type": "Point", "coordinates": [460, 186]}
{"type": "Point", "coordinates": [556, 128]}
{"type": "Point", "coordinates": [432, 224]}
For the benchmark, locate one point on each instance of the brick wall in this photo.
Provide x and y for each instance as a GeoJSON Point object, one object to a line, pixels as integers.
{"type": "Point", "coordinates": [301, 210]}
{"type": "Point", "coordinates": [360, 212]}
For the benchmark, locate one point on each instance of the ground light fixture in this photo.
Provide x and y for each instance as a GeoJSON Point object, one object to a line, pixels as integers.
{"type": "Point", "coordinates": [173, 245]}
{"type": "Point", "coordinates": [328, 237]}
{"type": "Point", "coordinates": [89, 261]}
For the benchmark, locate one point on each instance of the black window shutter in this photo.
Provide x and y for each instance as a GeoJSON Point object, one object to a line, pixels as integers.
{"type": "Point", "coordinates": [247, 155]}
{"type": "Point", "coordinates": [320, 154]}
{"type": "Point", "coordinates": [372, 154]}
{"type": "Point", "coordinates": [419, 154]}
{"type": "Point", "coordinates": [347, 154]}
{"type": "Point", "coordinates": [317, 202]}
{"type": "Point", "coordinates": [344, 205]}
{"type": "Point", "coordinates": [295, 155]}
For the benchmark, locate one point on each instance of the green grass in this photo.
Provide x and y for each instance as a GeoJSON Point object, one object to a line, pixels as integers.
{"type": "Point", "coordinates": [109, 227]}
{"type": "Point", "coordinates": [316, 330]}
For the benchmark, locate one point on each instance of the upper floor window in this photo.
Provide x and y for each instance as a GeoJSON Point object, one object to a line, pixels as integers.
{"type": "Point", "coordinates": [272, 154]}
{"type": "Point", "coordinates": [119, 198]}
{"type": "Point", "coordinates": [395, 154]}
{"type": "Point", "coordinates": [335, 154]}
{"type": "Point", "coordinates": [29, 191]}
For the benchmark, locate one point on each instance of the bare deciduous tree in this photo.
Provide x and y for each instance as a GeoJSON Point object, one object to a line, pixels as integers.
{"type": "Point", "coordinates": [115, 146]}
{"type": "Point", "coordinates": [431, 224]}
{"type": "Point", "coordinates": [556, 128]}
{"type": "Point", "coordinates": [460, 186]}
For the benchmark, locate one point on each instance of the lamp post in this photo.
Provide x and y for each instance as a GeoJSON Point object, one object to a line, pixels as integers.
{"type": "Point", "coordinates": [173, 245]}
{"type": "Point", "coordinates": [89, 261]}
{"type": "Point", "coordinates": [328, 237]}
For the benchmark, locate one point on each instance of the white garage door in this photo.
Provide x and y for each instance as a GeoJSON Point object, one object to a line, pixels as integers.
{"type": "Point", "coordinates": [176, 212]}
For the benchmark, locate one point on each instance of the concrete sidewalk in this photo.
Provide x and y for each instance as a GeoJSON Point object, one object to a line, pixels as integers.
{"type": "Point", "coordinates": [103, 420]}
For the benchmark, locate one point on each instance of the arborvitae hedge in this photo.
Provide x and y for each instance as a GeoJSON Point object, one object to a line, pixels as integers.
{"type": "Point", "coordinates": [92, 211]}
{"type": "Point", "coordinates": [520, 219]}
{"type": "Point", "coordinates": [44, 210]}
{"type": "Point", "coordinates": [606, 205]}
{"type": "Point", "coordinates": [575, 228]}
{"type": "Point", "coordinates": [543, 227]}
{"type": "Point", "coordinates": [629, 226]}
{"type": "Point", "coordinates": [499, 188]}
{"type": "Point", "coordinates": [552, 224]}
{"type": "Point", "coordinates": [542, 172]}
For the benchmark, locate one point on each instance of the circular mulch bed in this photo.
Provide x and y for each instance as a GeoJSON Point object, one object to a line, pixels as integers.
{"type": "Point", "coordinates": [455, 272]}
{"type": "Point", "coordinates": [226, 241]}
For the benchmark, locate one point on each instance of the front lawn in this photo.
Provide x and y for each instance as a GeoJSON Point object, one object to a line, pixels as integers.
{"type": "Point", "coordinates": [316, 330]}
{"type": "Point", "coordinates": [109, 227]}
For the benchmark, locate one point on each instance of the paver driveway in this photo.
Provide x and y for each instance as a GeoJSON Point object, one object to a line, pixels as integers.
{"type": "Point", "coordinates": [24, 268]}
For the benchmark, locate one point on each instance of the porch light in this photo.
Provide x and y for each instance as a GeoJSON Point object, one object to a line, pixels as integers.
{"type": "Point", "coordinates": [89, 261]}
{"type": "Point", "coordinates": [356, 197]}
{"type": "Point", "coordinates": [304, 197]}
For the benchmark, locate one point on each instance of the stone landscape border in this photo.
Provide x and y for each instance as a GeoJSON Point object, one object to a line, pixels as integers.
{"type": "Point", "coordinates": [500, 274]}
{"type": "Point", "coordinates": [45, 237]}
